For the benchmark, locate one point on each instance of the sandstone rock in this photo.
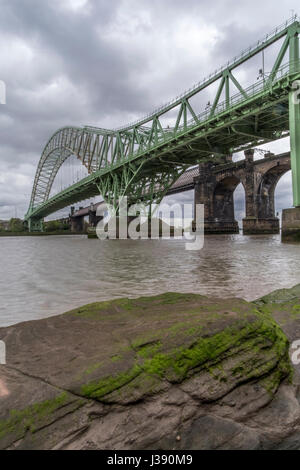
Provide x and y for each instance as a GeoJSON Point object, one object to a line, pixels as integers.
{"type": "Point", "coordinates": [176, 371]}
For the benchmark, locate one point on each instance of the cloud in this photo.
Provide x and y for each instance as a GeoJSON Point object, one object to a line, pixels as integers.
{"type": "Point", "coordinates": [107, 63]}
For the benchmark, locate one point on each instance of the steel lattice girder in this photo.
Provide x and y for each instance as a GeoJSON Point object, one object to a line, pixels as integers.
{"type": "Point", "coordinates": [123, 161]}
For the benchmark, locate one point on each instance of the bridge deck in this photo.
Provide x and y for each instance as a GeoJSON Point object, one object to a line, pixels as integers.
{"type": "Point", "coordinates": [144, 155]}
{"type": "Point", "coordinates": [186, 181]}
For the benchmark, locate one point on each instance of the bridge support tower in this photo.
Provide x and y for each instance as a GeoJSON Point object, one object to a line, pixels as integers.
{"type": "Point", "coordinates": [260, 199]}
{"type": "Point", "coordinates": [94, 219]}
{"type": "Point", "coordinates": [218, 202]}
{"type": "Point", "coordinates": [77, 222]}
{"type": "Point", "coordinates": [291, 217]}
{"type": "Point", "coordinates": [35, 225]}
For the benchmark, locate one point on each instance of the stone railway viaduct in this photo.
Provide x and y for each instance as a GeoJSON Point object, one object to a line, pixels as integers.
{"type": "Point", "coordinates": [214, 186]}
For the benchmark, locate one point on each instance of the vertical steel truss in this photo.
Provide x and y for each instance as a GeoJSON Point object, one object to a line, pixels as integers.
{"type": "Point", "coordinates": [126, 161]}
{"type": "Point", "coordinates": [294, 114]}
{"type": "Point", "coordinates": [147, 189]}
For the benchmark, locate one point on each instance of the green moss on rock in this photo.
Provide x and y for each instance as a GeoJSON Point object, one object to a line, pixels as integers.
{"type": "Point", "coordinates": [158, 360]}
{"type": "Point", "coordinates": [32, 417]}
{"type": "Point", "coordinates": [281, 296]}
{"type": "Point", "coordinates": [133, 305]}
{"type": "Point", "coordinates": [109, 384]}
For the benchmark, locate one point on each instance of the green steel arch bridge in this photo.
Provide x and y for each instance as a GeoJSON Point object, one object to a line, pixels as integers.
{"type": "Point", "coordinates": [143, 160]}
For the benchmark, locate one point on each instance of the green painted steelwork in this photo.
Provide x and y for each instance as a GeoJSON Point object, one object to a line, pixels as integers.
{"type": "Point", "coordinates": [142, 160]}
{"type": "Point", "coordinates": [294, 109]}
{"type": "Point", "coordinates": [35, 225]}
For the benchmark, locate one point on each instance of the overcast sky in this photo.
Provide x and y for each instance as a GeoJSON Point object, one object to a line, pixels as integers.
{"type": "Point", "coordinates": [106, 63]}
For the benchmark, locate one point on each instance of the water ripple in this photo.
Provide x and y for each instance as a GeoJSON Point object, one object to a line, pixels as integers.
{"type": "Point", "coordinates": [44, 276]}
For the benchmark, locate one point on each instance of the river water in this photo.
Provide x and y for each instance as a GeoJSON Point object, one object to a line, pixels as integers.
{"type": "Point", "coordinates": [44, 276]}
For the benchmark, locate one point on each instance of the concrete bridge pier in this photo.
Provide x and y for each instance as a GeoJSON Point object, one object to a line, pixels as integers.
{"type": "Point", "coordinates": [35, 225]}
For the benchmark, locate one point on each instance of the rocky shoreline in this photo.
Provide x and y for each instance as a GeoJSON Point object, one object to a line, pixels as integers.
{"type": "Point", "coordinates": [176, 371]}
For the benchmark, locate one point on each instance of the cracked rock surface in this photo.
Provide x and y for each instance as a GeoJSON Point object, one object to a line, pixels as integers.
{"type": "Point", "coordinates": [176, 371]}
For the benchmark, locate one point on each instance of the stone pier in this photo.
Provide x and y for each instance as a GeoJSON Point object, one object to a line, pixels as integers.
{"type": "Point", "coordinates": [291, 225]}
{"type": "Point", "coordinates": [254, 226]}
{"type": "Point", "coordinates": [76, 221]}
{"type": "Point", "coordinates": [215, 186]}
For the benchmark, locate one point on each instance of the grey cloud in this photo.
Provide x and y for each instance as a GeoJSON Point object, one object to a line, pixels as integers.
{"type": "Point", "coordinates": [106, 64]}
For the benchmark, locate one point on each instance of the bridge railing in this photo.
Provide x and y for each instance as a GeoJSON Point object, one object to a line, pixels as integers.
{"type": "Point", "coordinates": [251, 92]}
{"type": "Point", "coordinates": [215, 75]}
{"type": "Point", "coordinates": [145, 135]}
{"type": "Point", "coordinates": [236, 100]}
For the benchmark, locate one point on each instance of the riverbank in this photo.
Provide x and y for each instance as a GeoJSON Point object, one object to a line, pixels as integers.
{"type": "Point", "coordinates": [39, 234]}
{"type": "Point", "coordinates": [175, 371]}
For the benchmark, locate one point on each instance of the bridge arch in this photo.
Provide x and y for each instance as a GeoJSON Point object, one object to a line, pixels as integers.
{"type": "Point", "coordinates": [223, 198]}
{"type": "Point", "coordinates": [64, 143]}
{"type": "Point", "coordinates": [146, 157]}
{"type": "Point", "coordinates": [283, 192]}
{"type": "Point", "coordinates": [265, 199]}
{"type": "Point", "coordinates": [106, 155]}
{"type": "Point", "coordinates": [46, 174]}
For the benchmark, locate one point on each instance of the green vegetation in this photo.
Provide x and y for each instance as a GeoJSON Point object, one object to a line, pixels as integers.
{"type": "Point", "coordinates": [148, 344]}
{"type": "Point", "coordinates": [175, 365]}
{"type": "Point", "coordinates": [16, 225]}
{"type": "Point", "coordinates": [102, 388]}
{"type": "Point", "coordinates": [134, 305]}
{"type": "Point", "coordinates": [3, 226]}
{"type": "Point", "coordinates": [283, 305]}
{"type": "Point", "coordinates": [272, 381]}
{"type": "Point", "coordinates": [33, 417]}
{"type": "Point", "coordinates": [56, 226]}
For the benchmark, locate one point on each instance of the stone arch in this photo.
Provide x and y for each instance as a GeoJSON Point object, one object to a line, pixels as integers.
{"type": "Point", "coordinates": [283, 195]}
{"type": "Point", "coordinates": [266, 190]}
{"type": "Point", "coordinates": [222, 215]}
{"type": "Point", "coordinates": [223, 203]}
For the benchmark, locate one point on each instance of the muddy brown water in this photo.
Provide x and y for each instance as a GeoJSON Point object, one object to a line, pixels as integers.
{"type": "Point", "coordinates": [44, 276]}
